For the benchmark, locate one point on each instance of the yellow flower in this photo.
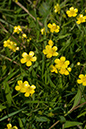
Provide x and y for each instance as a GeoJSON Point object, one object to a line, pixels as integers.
{"type": "Point", "coordinates": [17, 29]}
{"type": "Point", "coordinates": [57, 8]}
{"type": "Point", "coordinates": [19, 86]}
{"type": "Point", "coordinates": [53, 69]}
{"type": "Point", "coordinates": [78, 63]}
{"type": "Point", "coordinates": [28, 58]}
{"type": "Point", "coordinates": [82, 79]}
{"type": "Point", "coordinates": [25, 88]}
{"type": "Point", "coordinates": [53, 28]}
{"type": "Point", "coordinates": [63, 71]}
{"type": "Point", "coordinates": [24, 36]}
{"type": "Point", "coordinates": [61, 65]}
{"type": "Point", "coordinates": [72, 12]}
{"type": "Point", "coordinates": [9, 126]}
{"type": "Point", "coordinates": [11, 45]}
{"type": "Point", "coordinates": [50, 42]}
{"type": "Point", "coordinates": [29, 91]}
{"type": "Point", "coordinates": [43, 31]}
{"type": "Point", "coordinates": [50, 51]}
{"type": "Point", "coordinates": [81, 19]}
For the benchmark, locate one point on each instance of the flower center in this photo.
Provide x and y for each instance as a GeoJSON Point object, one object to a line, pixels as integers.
{"type": "Point", "coordinates": [28, 57]}
{"type": "Point", "coordinates": [54, 27]}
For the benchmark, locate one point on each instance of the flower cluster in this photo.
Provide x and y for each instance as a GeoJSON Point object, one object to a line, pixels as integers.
{"type": "Point", "coordinates": [28, 58]}
{"type": "Point", "coordinates": [57, 8]}
{"type": "Point", "coordinates": [25, 88]}
{"type": "Point", "coordinates": [61, 66]}
{"type": "Point", "coordinates": [50, 50]}
{"type": "Point", "coordinates": [9, 126]}
{"type": "Point", "coordinates": [17, 29]}
{"type": "Point", "coordinates": [81, 19]}
{"type": "Point", "coordinates": [53, 28]}
{"type": "Point", "coordinates": [82, 79]}
{"type": "Point", "coordinates": [11, 45]}
{"type": "Point", "coordinates": [72, 12]}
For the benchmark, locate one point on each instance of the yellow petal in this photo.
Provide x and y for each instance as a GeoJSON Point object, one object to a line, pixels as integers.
{"type": "Point", "coordinates": [23, 60]}
{"type": "Point", "coordinates": [34, 58]}
{"type": "Point", "coordinates": [33, 86]}
{"type": "Point", "coordinates": [81, 76]}
{"type": "Point", "coordinates": [29, 63]}
{"type": "Point", "coordinates": [26, 82]}
{"type": "Point", "coordinates": [68, 12]}
{"type": "Point", "coordinates": [17, 88]}
{"type": "Point", "coordinates": [19, 82]}
{"type": "Point", "coordinates": [24, 54]}
{"type": "Point", "coordinates": [31, 53]}
{"type": "Point", "coordinates": [84, 17]}
{"type": "Point", "coordinates": [76, 10]}
{"type": "Point", "coordinates": [56, 60]}
{"type": "Point", "coordinates": [49, 25]}
{"type": "Point", "coordinates": [62, 58]}
{"type": "Point", "coordinates": [23, 90]}
{"type": "Point", "coordinates": [66, 72]}
{"type": "Point", "coordinates": [84, 83]}
{"type": "Point", "coordinates": [27, 94]}
{"type": "Point", "coordinates": [67, 62]}
{"type": "Point", "coordinates": [79, 81]}
{"type": "Point", "coordinates": [49, 55]}
{"type": "Point", "coordinates": [54, 48]}
{"type": "Point", "coordinates": [55, 54]}
{"type": "Point", "coordinates": [32, 91]}
{"type": "Point", "coordinates": [71, 8]}
{"type": "Point", "coordinates": [15, 127]}
{"type": "Point", "coordinates": [44, 51]}
{"type": "Point", "coordinates": [69, 69]}
{"type": "Point", "coordinates": [50, 42]}
{"type": "Point", "coordinates": [9, 126]}
{"type": "Point", "coordinates": [78, 22]}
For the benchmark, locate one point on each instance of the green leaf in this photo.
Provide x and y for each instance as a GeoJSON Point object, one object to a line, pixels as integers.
{"type": "Point", "coordinates": [44, 9]}
{"type": "Point", "coordinates": [77, 98]}
{"type": "Point", "coordinates": [51, 83]}
{"type": "Point", "coordinates": [11, 74]}
{"type": "Point", "coordinates": [62, 119]}
{"type": "Point", "coordinates": [20, 123]}
{"type": "Point", "coordinates": [8, 93]}
{"type": "Point", "coordinates": [71, 124]}
{"type": "Point", "coordinates": [63, 36]}
{"type": "Point", "coordinates": [82, 114]}
{"type": "Point", "coordinates": [12, 114]}
{"type": "Point", "coordinates": [42, 119]}
{"type": "Point", "coordinates": [2, 107]}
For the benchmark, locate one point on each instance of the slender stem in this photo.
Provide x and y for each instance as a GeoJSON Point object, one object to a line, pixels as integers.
{"type": "Point", "coordinates": [20, 5]}
{"type": "Point", "coordinates": [54, 124]}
